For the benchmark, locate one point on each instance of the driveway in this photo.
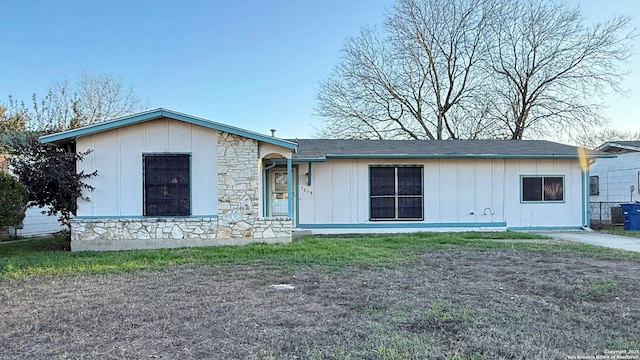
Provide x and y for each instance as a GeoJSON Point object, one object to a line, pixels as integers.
{"type": "Point", "coordinates": [596, 238]}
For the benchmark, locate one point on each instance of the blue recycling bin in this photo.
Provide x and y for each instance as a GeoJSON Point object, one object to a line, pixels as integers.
{"type": "Point", "coordinates": [631, 216]}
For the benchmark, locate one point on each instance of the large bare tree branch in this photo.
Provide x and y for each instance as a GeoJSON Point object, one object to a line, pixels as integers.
{"type": "Point", "coordinates": [555, 69]}
{"type": "Point", "coordinates": [408, 80]}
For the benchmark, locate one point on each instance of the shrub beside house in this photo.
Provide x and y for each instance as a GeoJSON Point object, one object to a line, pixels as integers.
{"type": "Point", "coordinates": [35, 222]}
{"type": "Point", "coordinates": [13, 201]}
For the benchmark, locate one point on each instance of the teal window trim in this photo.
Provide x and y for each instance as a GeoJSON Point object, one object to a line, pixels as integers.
{"type": "Point", "coordinates": [167, 153]}
{"type": "Point", "coordinates": [564, 189]}
{"type": "Point", "coordinates": [142, 217]}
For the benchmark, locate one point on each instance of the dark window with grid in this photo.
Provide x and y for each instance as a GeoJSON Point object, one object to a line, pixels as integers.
{"type": "Point", "coordinates": [166, 185]}
{"type": "Point", "coordinates": [395, 192]}
{"type": "Point", "coordinates": [594, 185]}
{"type": "Point", "coordinates": [542, 188]}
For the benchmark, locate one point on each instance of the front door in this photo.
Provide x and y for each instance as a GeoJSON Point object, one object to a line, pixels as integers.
{"type": "Point", "coordinates": [279, 194]}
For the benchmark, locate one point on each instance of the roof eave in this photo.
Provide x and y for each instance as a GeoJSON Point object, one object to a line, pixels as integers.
{"type": "Point", "coordinates": [71, 135]}
{"type": "Point", "coordinates": [309, 159]}
{"type": "Point", "coordinates": [610, 145]}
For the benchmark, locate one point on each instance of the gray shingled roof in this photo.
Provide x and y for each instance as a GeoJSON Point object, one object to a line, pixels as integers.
{"type": "Point", "coordinates": [629, 143]}
{"type": "Point", "coordinates": [351, 148]}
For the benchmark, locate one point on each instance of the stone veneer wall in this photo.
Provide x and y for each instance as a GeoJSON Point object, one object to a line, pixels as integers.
{"type": "Point", "coordinates": [238, 220]}
{"type": "Point", "coordinates": [151, 233]}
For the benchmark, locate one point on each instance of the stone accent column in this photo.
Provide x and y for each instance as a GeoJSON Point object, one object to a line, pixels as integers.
{"type": "Point", "coordinates": [237, 186]}
{"type": "Point", "coordinates": [238, 196]}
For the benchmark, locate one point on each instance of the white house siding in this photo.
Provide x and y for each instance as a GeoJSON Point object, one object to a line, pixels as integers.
{"type": "Point", "coordinates": [616, 175]}
{"type": "Point", "coordinates": [224, 190]}
{"type": "Point", "coordinates": [117, 155]}
{"type": "Point", "coordinates": [458, 194]}
{"type": "Point", "coordinates": [553, 215]}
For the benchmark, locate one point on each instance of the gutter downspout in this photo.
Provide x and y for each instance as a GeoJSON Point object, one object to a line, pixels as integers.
{"type": "Point", "coordinates": [289, 189]}
{"type": "Point", "coordinates": [586, 217]}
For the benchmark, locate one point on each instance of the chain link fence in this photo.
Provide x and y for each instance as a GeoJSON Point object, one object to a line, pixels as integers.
{"type": "Point", "coordinates": [605, 213]}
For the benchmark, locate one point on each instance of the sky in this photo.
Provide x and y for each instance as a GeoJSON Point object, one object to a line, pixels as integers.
{"type": "Point", "coordinates": [255, 64]}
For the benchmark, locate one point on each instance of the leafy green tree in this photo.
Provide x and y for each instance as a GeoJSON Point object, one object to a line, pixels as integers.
{"type": "Point", "coordinates": [13, 200]}
{"type": "Point", "coordinates": [49, 173]}
{"type": "Point", "coordinates": [11, 117]}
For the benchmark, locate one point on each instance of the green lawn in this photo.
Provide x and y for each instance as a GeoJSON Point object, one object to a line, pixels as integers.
{"type": "Point", "coordinates": [46, 256]}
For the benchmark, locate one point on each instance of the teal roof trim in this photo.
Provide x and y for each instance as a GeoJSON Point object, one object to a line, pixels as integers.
{"type": "Point", "coordinates": [70, 135]}
{"type": "Point", "coordinates": [298, 160]}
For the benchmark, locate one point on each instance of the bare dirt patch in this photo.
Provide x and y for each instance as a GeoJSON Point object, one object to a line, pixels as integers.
{"type": "Point", "coordinates": [494, 304]}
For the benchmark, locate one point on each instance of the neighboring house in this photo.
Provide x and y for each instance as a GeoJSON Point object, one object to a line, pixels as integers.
{"type": "Point", "coordinates": [614, 180]}
{"type": "Point", "coordinates": [35, 223]}
{"type": "Point", "coordinates": [167, 179]}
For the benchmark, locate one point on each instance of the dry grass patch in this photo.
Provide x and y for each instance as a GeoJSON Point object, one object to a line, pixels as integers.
{"type": "Point", "coordinates": [453, 303]}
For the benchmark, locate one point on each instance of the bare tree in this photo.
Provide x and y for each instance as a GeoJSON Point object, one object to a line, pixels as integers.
{"type": "Point", "coordinates": [475, 69]}
{"type": "Point", "coordinates": [101, 97]}
{"type": "Point", "coordinates": [416, 80]}
{"type": "Point", "coordinates": [550, 68]}
{"type": "Point", "coordinates": [95, 98]}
